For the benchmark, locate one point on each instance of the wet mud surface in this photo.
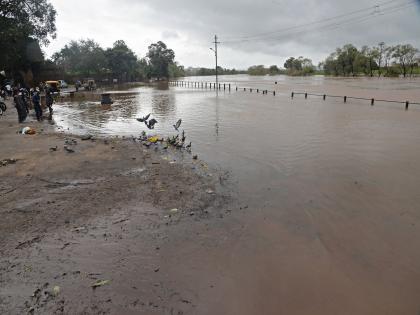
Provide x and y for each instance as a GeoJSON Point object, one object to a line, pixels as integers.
{"type": "Point", "coordinates": [109, 211]}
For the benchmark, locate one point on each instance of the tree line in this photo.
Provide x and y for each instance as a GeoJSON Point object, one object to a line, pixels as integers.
{"type": "Point", "coordinates": [191, 71]}
{"type": "Point", "coordinates": [380, 60]}
{"type": "Point", "coordinates": [293, 66]}
{"type": "Point", "coordinates": [27, 25]}
{"type": "Point", "coordinates": [85, 58]}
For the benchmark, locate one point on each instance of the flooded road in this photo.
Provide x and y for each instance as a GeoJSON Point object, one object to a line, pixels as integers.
{"type": "Point", "coordinates": [330, 218]}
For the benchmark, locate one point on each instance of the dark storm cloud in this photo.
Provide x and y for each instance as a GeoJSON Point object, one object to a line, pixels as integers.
{"type": "Point", "coordinates": [189, 25]}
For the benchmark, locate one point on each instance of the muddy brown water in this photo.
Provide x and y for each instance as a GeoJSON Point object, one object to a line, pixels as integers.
{"type": "Point", "coordinates": [330, 197]}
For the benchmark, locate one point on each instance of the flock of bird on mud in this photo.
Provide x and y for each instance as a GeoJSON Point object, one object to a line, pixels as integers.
{"type": "Point", "coordinates": [177, 141]}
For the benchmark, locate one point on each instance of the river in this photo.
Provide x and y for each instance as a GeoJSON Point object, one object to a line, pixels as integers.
{"type": "Point", "coordinates": [329, 190]}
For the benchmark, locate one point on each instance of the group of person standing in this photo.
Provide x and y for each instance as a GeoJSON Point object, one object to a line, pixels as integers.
{"type": "Point", "coordinates": [25, 100]}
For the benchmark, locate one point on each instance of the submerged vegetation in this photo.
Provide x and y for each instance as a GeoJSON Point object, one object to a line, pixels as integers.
{"type": "Point", "coordinates": [380, 60]}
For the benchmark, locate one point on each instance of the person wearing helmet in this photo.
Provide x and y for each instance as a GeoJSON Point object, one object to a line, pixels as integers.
{"type": "Point", "coordinates": [20, 106]}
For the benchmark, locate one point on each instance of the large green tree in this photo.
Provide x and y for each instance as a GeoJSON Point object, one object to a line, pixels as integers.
{"type": "Point", "coordinates": [83, 57]}
{"type": "Point", "coordinates": [122, 61]}
{"type": "Point", "coordinates": [160, 57]}
{"type": "Point", "coordinates": [24, 25]}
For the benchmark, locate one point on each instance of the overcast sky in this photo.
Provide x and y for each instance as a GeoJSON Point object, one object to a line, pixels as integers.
{"type": "Point", "coordinates": [189, 26]}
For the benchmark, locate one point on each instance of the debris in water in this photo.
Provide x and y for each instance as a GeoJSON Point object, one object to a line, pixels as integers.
{"type": "Point", "coordinates": [153, 139]}
{"type": "Point", "coordinates": [69, 150]}
{"type": "Point", "coordinates": [100, 283]}
{"type": "Point", "coordinates": [79, 229]}
{"type": "Point", "coordinates": [120, 221]}
{"type": "Point", "coordinates": [70, 141]}
{"type": "Point", "coordinates": [86, 137]}
{"type": "Point", "coordinates": [56, 290]}
{"type": "Point", "coordinates": [8, 162]}
{"type": "Point", "coordinates": [27, 131]}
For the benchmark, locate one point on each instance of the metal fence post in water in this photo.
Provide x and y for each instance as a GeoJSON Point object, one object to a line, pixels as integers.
{"type": "Point", "coordinates": [306, 95]}
{"type": "Point", "coordinates": [407, 103]}
{"type": "Point", "coordinates": [293, 94]}
{"type": "Point", "coordinates": [325, 96]}
{"type": "Point", "coordinates": [229, 87]}
{"type": "Point", "coordinates": [345, 99]}
{"type": "Point", "coordinates": [274, 93]}
{"type": "Point", "coordinates": [372, 102]}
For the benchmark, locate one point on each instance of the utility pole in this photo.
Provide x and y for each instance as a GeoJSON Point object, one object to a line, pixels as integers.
{"type": "Point", "coordinates": [215, 53]}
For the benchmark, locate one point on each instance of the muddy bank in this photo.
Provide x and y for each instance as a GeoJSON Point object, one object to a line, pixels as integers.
{"type": "Point", "coordinates": [100, 213]}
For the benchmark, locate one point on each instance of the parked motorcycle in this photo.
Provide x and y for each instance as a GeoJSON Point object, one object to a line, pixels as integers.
{"type": "Point", "coordinates": [3, 106]}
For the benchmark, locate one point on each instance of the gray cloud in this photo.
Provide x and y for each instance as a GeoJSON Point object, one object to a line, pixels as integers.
{"type": "Point", "coordinates": [169, 34]}
{"type": "Point", "coordinates": [188, 26]}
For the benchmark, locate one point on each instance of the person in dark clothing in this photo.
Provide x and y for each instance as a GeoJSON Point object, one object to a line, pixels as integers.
{"type": "Point", "coordinates": [20, 107]}
{"type": "Point", "coordinates": [24, 95]}
{"type": "Point", "coordinates": [36, 100]}
{"type": "Point", "coordinates": [49, 100]}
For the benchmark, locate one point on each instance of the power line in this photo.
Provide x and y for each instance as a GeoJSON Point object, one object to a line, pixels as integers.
{"type": "Point", "coordinates": [333, 26]}
{"type": "Point", "coordinates": [364, 10]}
{"type": "Point", "coordinates": [354, 16]}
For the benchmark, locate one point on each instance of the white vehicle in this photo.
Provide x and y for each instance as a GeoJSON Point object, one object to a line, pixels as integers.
{"type": "Point", "coordinates": [63, 84]}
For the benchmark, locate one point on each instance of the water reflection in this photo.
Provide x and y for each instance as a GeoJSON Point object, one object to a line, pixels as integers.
{"type": "Point", "coordinates": [163, 103]}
